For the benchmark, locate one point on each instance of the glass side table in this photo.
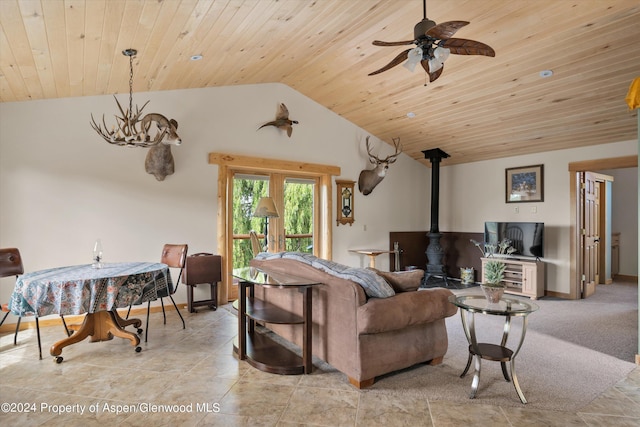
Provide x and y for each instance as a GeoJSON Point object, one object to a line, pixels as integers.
{"type": "Point", "coordinates": [508, 307]}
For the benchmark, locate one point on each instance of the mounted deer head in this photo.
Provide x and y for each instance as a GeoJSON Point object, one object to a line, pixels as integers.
{"type": "Point", "coordinates": [159, 161]}
{"type": "Point", "coordinates": [369, 178]}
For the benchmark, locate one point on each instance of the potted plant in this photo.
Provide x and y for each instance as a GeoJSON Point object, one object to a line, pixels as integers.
{"type": "Point", "coordinates": [493, 286]}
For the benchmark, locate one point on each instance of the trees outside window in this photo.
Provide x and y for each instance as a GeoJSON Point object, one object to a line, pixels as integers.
{"type": "Point", "coordinates": [298, 214]}
{"type": "Point", "coordinates": [247, 190]}
{"type": "Point", "coordinates": [292, 231]}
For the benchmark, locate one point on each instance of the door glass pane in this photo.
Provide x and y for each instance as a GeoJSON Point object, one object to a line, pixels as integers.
{"type": "Point", "coordinates": [298, 214]}
{"type": "Point", "coordinates": [247, 191]}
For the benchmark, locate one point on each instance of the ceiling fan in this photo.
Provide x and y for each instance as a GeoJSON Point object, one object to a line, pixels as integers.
{"type": "Point", "coordinates": [433, 46]}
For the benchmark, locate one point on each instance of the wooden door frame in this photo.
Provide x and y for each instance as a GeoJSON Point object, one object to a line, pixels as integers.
{"type": "Point", "coordinates": [574, 169]}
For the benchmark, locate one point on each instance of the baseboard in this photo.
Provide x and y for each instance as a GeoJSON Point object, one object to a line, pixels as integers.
{"type": "Point", "coordinates": [625, 278]}
{"type": "Point", "coordinates": [54, 320]}
{"type": "Point", "coordinates": [557, 294]}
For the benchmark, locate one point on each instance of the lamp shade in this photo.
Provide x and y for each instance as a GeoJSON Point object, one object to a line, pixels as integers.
{"type": "Point", "coordinates": [266, 208]}
{"type": "Point", "coordinates": [413, 57]}
{"type": "Point", "coordinates": [441, 53]}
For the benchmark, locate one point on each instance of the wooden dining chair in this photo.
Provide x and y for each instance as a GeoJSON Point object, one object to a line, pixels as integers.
{"type": "Point", "coordinates": [256, 246]}
{"type": "Point", "coordinates": [11, 265]}
{"type": "Point", "coordinates": [175, 257]}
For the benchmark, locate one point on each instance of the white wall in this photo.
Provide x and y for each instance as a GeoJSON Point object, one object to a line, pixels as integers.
{"type": "Point", "coordinates": [62, 186]}
{"type": "Point", "coordinates": [624, 216]}
{"type": "Point", "coordinates": [474, 193]}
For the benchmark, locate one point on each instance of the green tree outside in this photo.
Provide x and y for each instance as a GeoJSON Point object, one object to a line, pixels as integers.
{"type": "Point", "coordinates": [298, 215]}
{"type": "Point", "coordinates": [246, 194]}
{"type": "Point", "coordinates": [298, 218]}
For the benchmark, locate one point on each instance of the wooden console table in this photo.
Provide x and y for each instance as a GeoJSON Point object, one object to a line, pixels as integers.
{"type": "Point", "coordinates": [260, 351]}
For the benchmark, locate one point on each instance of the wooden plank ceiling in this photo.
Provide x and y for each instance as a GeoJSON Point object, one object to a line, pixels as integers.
{"type": "Point", "coordinates": [480, 108]}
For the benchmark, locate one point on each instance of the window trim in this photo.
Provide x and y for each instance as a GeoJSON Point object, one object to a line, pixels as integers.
{"type": "Point", "coordinates": [229, 164]}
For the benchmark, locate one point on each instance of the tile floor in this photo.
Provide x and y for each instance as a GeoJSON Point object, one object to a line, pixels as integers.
{"type": "Point", "coordinates": [196, 370]}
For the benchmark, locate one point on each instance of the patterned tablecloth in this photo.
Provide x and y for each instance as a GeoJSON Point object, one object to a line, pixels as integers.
{"type": "Point", "coordinates": [82, 289]}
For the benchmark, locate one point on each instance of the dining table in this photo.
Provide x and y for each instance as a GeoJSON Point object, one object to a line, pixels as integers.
{"type": "Point", "coordinates": [98, 292]}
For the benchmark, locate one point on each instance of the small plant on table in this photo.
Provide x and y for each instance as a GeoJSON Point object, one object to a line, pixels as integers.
{"type": "Point", "coordinates": [493, 285]}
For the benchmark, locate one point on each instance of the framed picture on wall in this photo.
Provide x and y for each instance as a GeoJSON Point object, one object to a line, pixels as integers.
{"type": "Point", "coordinates": [525, 184]}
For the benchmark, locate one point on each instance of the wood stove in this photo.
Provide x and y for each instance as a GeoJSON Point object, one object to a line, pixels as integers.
{"type": "Point", "coordinates": [435, 268]}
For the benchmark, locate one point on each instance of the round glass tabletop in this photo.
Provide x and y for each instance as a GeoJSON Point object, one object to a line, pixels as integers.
{"type": "Point", "coordinates": [507, 306]}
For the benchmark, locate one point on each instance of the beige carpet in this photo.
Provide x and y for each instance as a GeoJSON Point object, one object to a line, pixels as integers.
{"type": "Point", "coordinates": [553, 374]}
{"type": "Point", "coordinates": [606, 322]}
{"type": "Point", "coordinates": [573, 351]}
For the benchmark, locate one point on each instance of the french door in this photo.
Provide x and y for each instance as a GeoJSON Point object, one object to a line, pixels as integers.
{"type": "Point", "coordinates": [295, 198]}
{"type": "Point", "coordinates": [294, 186]}
{"type": "Point", "coordinates": [294, 229]}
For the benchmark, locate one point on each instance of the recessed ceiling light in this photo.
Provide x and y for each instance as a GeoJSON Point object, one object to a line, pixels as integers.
{"type": "Point", "coordinates": [411, 114]}
{"type": "Point", "coordinates": [196, 57]}
{"type": "Point", "coordinates": [546, 73]}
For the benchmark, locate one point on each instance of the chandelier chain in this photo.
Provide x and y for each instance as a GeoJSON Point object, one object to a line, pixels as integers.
{"type": "Point", "coordinates": [130, 86]}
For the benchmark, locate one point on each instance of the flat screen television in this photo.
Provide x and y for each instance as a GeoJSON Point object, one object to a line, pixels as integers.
{"type": "Point", "coordinates": [526, 237]}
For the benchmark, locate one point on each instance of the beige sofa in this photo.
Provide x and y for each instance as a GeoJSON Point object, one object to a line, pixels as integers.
{"type": "Point", "coordinates": [360, 336]}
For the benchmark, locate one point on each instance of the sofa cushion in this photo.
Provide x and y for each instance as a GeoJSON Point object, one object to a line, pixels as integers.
{"type": "Point", "coordinates": [404, 309]}
{"type": "Point", "coordinates": [374, 286]}
{"type": "Point", "coordinates": [402, 281]}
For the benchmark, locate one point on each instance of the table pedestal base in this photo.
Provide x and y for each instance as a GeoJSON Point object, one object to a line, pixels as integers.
{"type": "Point", "coordinates": [100, 326]}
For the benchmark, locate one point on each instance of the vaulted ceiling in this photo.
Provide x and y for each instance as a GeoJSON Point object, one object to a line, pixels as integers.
{"type": "Point", "coordinates": [480, 108]}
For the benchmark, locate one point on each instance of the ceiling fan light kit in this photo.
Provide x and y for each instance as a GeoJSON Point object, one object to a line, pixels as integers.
{"type": "Point", "coordinates": [434, 44]}
{"type": "Point", "coordinates": [440, 54]}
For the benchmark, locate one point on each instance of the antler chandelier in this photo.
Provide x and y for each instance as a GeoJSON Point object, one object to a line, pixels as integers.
{"type": "Point", "coordinates": [130, 130]}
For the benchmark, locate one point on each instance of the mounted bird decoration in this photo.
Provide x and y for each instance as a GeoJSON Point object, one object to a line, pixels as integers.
{"type": "Point", "coordinates": [433, 46]}
{"type": "Point", "coordinates": [282, 120]}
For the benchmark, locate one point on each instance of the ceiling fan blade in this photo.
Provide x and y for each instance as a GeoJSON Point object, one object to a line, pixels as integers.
{"type": "Point", "coordinates": [468, 47]}
{"type": "Point", "coordinates": [402, 43]}
{"type": "Point", "coordinates": [425, 65]}
{"type": "Point", "coordinates": [397, 60]}
{"type": "Point", "coordinates": [446, 30]}
{"type": "Point", "coordinates": [432, 76]}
